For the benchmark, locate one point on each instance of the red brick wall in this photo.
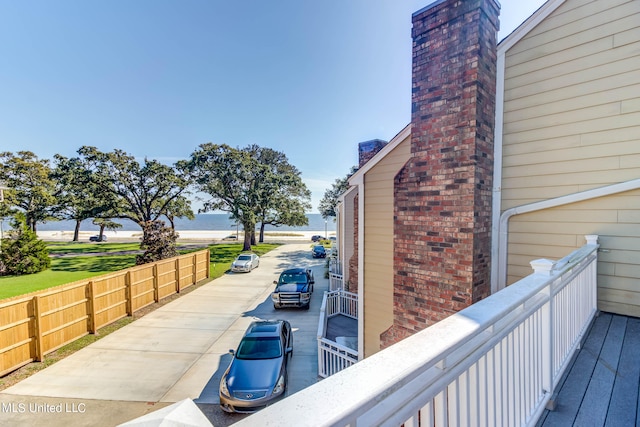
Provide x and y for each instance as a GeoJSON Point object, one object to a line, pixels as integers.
{"type": "Point", "coordinates": [443, 194]}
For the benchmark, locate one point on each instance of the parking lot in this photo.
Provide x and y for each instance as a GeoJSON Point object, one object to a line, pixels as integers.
{"type": "Point", "coordinates": [178, 351]}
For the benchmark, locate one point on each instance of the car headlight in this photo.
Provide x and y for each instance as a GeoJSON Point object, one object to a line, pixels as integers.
{"type": "Point", "coordinates": [223, 386]}
{"type": "Point", "coordinates": [279, 388]}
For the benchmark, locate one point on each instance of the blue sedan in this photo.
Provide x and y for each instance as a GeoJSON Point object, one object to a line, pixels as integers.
{"type": "Point", "coordinates": [257, 375]}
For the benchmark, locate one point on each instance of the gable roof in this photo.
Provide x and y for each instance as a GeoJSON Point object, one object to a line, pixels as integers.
{"type": "Point", "coordinates": [529, 24]}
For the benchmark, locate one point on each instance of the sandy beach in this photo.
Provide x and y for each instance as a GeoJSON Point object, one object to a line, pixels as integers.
{"type": "Point", "coordinates": [184, 235]}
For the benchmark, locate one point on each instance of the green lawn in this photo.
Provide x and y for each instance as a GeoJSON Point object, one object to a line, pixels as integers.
{"type": "Point", "coordinates": [82, 262]}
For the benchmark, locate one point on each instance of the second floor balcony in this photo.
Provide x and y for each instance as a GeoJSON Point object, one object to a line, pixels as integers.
{"type": "Point", "coordinates": [501, 361]}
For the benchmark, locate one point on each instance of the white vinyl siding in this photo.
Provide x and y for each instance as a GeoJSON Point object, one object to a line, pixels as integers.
{"type": "Point", "coordinates": [378, 245]}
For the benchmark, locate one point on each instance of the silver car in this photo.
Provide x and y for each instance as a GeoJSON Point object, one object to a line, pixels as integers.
{"type": "Point", "coordinates": [245, 263]}
{"type": "Point", "coordinates": [257, 374]}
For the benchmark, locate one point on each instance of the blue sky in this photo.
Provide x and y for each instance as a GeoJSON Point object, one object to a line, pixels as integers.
{"type": "Point", "coordinates": [158, 78]}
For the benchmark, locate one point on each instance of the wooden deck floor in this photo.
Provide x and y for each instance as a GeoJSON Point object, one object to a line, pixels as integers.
{"type": "Point", "coordinates": [340, 325]}
{"type": "Point", "coordinates": [601, 387]}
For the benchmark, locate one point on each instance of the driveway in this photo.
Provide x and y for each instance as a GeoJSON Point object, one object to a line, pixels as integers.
{"type": "Point", "coordinates": [178, 351]}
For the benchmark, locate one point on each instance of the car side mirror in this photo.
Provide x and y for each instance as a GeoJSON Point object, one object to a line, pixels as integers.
{"type": "Point", "coordinates": [289, 350]}
{"type": "Point", "coordinates": [275, 282]}
{"type": "Point", "coordinates": [232, 352]}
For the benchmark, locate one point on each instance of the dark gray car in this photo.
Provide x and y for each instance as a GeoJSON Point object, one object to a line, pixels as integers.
{"type": "Point", "coordinates": [257, 375]}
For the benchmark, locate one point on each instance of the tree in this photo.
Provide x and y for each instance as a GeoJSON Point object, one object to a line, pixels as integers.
{"type": "Point", "coordinates": [142, 193]}
{"type": "Point", "coordinates": [31, 188]}
{"type": "Point", "coordinates": [327, 205]}
{"type": "Point", "coordinates": [227, 175]}
{"type": "Point", "coordinates": [79, 192]}
{"type": "Point", "coordinates": [178, 208]}
{"type": "Point", "coordinates": [105, 223]}
{"type": "Point", "coordinates": [22, 252]}
{"type": "Point", "coordinates": [282, 196]}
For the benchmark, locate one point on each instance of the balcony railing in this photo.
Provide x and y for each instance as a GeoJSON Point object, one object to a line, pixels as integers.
{"type": "Point", "coordinates": [496, 362]}
{"type": "Point", "coordinates": [336, 280]}
{"type": "Point", "coordinates": [332, 355]}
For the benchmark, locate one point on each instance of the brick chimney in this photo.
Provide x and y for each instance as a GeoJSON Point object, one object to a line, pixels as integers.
{"type": "Point", "coordinates": [443, 194]}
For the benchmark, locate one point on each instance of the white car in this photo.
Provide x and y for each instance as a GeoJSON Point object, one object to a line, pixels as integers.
{"type": "Point", "coordinates": [245, 263]}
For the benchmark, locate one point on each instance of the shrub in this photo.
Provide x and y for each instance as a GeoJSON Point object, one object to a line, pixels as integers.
{"type": "Point", "coordinates": [22, 252]}
{"type": "Point", "coordinates": [158, 242]}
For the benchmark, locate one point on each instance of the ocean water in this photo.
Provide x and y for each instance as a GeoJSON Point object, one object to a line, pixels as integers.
{"type": "Point", "coordinates": [201, 222]}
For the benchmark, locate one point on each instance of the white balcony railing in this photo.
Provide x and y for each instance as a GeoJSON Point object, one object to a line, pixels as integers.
{"type": "Point", "coordinates": [336, 279]}
{"type": "Point", "coordinates": [495, 363]}
{"type": "Point", "coordinates": [335, 266]}
{"type": "Point", "coordinates": [336, 282]}
{"type": "Point", "coordinates": [333, 356]}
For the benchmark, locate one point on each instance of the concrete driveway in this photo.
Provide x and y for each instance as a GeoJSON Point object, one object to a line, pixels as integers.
{"type": "Point", "coordinates": [178, 351]}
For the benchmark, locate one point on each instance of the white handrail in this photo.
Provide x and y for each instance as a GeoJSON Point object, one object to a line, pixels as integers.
{"type": "Point", "coordinates": [333, 357]}
{"type": "Point", "coordinates": [496, 362]}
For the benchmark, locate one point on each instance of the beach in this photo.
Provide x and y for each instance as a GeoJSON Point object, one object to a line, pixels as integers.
{"type": "Point", "coordinates": [184, 235]}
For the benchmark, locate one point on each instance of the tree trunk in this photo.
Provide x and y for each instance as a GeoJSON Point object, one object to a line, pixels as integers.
{"type": "Point", "coordinates": [102, 226]}
{"type": "Point", "coordinates": [253, 236]}
{"type": "Point", "coordinates": [145, 230]}
{"type": "Point", "coordinates": [247, 240]}
{"type": "Point", "coordinates": [262, 232]}
{"type": "Point", "coordinates": [76, 231]}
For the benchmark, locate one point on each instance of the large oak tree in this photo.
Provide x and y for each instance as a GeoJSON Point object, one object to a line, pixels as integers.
{"type": "Point", "coordinates": [80, 193]}
{"type": "Point", "coordinates": [254, 184]}
{"type": "Point", "coordinates": [31, 187]}
{"type": "Point", "coordinates": [143, 192]}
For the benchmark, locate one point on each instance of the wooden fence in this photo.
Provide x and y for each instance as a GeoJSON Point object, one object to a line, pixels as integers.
{"type": "Point", "coordinates": [37, 324]}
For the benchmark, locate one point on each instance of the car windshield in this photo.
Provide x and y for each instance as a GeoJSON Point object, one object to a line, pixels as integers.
{"type": "Point", "coordinates": [319, 248]}
{"type": "Point", "coordinates": [259, 348]}
{"type": "Point", "coordinates": [293, 278]}
{"type": "Point", "coordinates": [244, 258]}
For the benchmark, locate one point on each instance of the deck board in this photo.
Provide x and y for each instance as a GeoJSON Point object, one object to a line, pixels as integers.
{"type": "Point", "coordinates": [340, 325]}
{"type": "Point", "coordinates": [601, 387]}
{"type": "Point", "coordinates": [624, 397]}
{"type": "Point", "coordinates": [575, 384]}
{"type": "Point", "coordinates": [593, 410]}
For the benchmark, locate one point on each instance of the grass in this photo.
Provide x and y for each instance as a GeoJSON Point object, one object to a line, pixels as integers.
{"type": "Point", "coordinates": [57, 248]}
{"type": "Point", "coordinates": [77, 261]}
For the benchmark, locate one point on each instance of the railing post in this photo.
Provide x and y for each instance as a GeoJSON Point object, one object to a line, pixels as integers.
{"type": "Point", "coordinates": [194, 269]}
{"type": "Point", "coordinates": [208, 263]}
{"type": "Point", "coordinates": [128, 293]}
{"type": "Point", "coordinates": [156, 283]}
{"type": "Point", "coordinates": [544, 267]}
{"type": "Point", "coordinates": [92, 307]}
{"type": "Point", "coordinates": [38, 329]}
{"type": "Point", "coordinates": [177, 267]}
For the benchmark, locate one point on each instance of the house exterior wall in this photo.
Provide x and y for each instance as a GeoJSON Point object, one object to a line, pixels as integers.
{"type": "Point", "coordinates": [378, 245]}
{"type": "Point", "coordinates": [572, 123]}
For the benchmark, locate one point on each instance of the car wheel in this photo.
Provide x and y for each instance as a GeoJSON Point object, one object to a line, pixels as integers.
{"type": "Point", "coordinates": [276, 306]}
{"type": "Point", "coordinates": [306, 307]}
